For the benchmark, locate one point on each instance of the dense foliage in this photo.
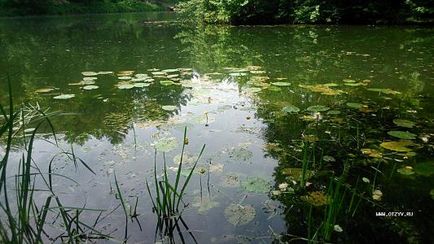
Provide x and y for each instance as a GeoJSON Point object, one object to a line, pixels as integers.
{"type": "Point", "coordinates": [36, 7]}
{"type": "Point", "coordinates": [307, 11]}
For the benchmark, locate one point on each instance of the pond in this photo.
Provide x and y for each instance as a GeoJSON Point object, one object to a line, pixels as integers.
{"type": "Point", "coordinates": [310, 132]}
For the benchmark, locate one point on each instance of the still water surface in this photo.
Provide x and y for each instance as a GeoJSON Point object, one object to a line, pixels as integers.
{"type": "Point", "coordinates": [261, 99]}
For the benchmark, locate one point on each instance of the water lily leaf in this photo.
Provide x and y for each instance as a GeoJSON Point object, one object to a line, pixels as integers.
{"type": "Point", "coordinates": [89, 73]}
{"type": "Point", "coordinates": [231, 180]}
{"type": "Point", "coordinates": [349, 81]}
{"type": "Point", "coordinates": [355, 84]}
{"type": "Point", "coordinates": [83, 83]}
{"type": "Point", "coordinates": [355, 105]}
{"type": "Point", "coordinates": [141, 85]}
{"type": "Point", "coordinates": [333, 112]}
{"type": "Point", "coordinates": [124, 77]}
{"type": "Point", "coordinates": [404, 123]}
{"type": "Point", "coordinates": [125, 85]}
{"type": "Point", "coordinates": [89, 78]}
{"type": "Point", "coordinates": [90, 87]}
{"type": "Point", "coordinates": [169, 108]}
{"type": "Point", "coordinates": [238, 214]}
{"type": "Point", "coordinates": [280, 83]}
{"type": "Point", "coordinates": [316, 198]}
{"type": "Point", "coordinates": [323, 89]}
{"type": "Point", "coordinates": [398, 146]}
{"type": "Point", "coordinates": [216, 167]}
{"type": "Point", "coordinates": [296, 173]}
{"type": "Point", "coordinates": [165, 144]}
{"type": "Point", "coordinates": [384, 91]}
{"type": "Point", "coordinates": [256, 184]}
{"type": "Point", "coordinates": [170, 70]}
{"type": "Point", "coordinates": [64, 96]}
{"type": "Point", "coordinates": [402, 134]}
{"type": "Point", "coordinates": [167, 82]}
{"type": "Point", "coordinates": [105, 72]}
{"type": "Point", "coordinates": [407, 170]}
{"type": "Point", "coordinates": [253, 89]}
{"type": "Point", "coordinates": [290, 109]}
{"type": "Point", "coordinates": [204, 204]}
{"type": "Point", "coordinates": [241, 153]}
{"type": "Point", "coordinates": [371, 153]}
{"type": "Point", "coordinates": [424, 169]}
{"type": "Point", "coordinates": [45, 90]}
{"type": "Point", "coordinates": [318, 108]}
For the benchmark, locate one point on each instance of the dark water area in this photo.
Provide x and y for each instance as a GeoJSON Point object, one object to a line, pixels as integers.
{"type": "Point", "coordinates": [310, 131]}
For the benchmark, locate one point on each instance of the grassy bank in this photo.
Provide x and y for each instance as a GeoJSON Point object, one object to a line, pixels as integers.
{"type": "Point", "coordinates": [56, 7]}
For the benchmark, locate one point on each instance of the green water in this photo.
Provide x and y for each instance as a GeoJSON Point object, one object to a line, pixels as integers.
{"type": "Point", "coordinates": [247, 93]}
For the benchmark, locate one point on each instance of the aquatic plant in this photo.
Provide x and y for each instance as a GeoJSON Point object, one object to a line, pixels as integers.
{"type": "Point", "coordinates": [22, 218]}
{"type": "Point", "coordinates": [168, 195]}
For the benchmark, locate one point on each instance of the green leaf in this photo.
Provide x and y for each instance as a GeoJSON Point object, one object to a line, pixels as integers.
{"type": "Point", "coordinates": [355, 105]}
{"type": "Point", "coordinates": [165, 144]}
{"type": "Point", "coordinates": [384, 91]}
{"type": "Point", "coordinates": [402, 134]}
{"type": "Point", "coordinates": [256, 184]}
{"type": "Point", "coordinates": [169, 108]}
{"type": "Point", "coordinates": [280, 83]}
{"type": "Point", "coordinates": [64, 96]}
{"type": "Point", "coordinates": [90, 87]}
{"type": "Point", "coordinates": [404, 123]}
{"type": "Point", "coordinates": [318, 108]}
{"type": "Point", "coordinates": [398, 146]}
{"type": "Point", "coordinates": [290, 109]}
{"type": "Point", "coordinates": [238, 214]}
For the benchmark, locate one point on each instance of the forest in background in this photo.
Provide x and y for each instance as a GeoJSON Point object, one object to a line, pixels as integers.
{"type": "Point", "coordinates": [62, 7]}
{"type": "Point", "coordinates": [243, 11]}
{"type": "Point", "coordinates": [309, 11]}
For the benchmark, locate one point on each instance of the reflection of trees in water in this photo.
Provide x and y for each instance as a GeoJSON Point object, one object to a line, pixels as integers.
{"type": "Point", "coordinates": [44, 52]}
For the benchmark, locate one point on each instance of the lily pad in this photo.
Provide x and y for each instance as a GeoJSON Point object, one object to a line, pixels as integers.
{"type": "Point", "coordinates": [407, 170]}
{"type": "Point", "coordinates": [204, 204]}
{"type": "Point", "coordinates": [355, 105]}
{"type": "Point", "coordinates": [404, 123]}
{"type": "Point", "coordinates": [256, 184]}
{"type": "Point", "coordinates": [231, 180]}
{"type": "Point", "coordinates": [169, 108]}
{"type": "Point", "coordinates": [64, 96]}
{"type": "Point", "coordinates": [167, 82]}
{"type": "Point", "coordinates": [316, 198]}
{"type": "Point", "coordinates": [398, 146]}
{"type": "Point", "coordinates": [90, 87]}
{"type": "Point", "coordinates": [384, 91]}
{"type": "Point", "coordinates": [424, 169]}
{"type": "Point", "coordinates": [371, 153]}
{"type": "Point", "coordinates": [125, 86]}
{"type": "Point", "coordinates": [333, 112]}
{"type": "Point", "coordinates": [165, 144]}
{"type": "Point", "coordinates": [318, 108]}
{"type": "Point", "coordinates": [290, 109]}
{"type": "Point", "coordinates": [45, 90]}
{"type": "Point", "coordinates": [141, 85]}
{"type": "Point", "coordinates": [296, 173]}
{"type": "Point", "coordinates": [238, 214]}
{"type": "Point", "coordinates": [89, 73]}
{"type": "Point", "coordinates": [323, 89]}
{"type": "Point", "coordinates": [280, 83]}
{"type": "Point", "coordinates": [402, 134]}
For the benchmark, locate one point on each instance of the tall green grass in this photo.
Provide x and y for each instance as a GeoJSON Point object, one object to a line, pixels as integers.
{"type": "Point", "coordinates": [168, 196]}
{"type": "Point", "coordinates": [23, 219]}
